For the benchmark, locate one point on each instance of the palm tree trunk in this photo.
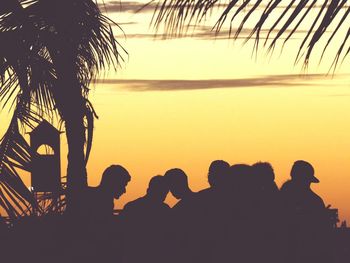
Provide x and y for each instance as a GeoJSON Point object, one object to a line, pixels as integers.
{"type": "Point", "coordinates": [71, 105]}
{"type": "Point", "coordinates": [76, 169]}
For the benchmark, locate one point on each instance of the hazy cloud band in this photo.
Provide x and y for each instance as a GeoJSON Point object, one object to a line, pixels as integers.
{"type": "Point", "coordinates": [292, 80]}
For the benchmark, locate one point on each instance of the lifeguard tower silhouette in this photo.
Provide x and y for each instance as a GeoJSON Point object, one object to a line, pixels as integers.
{"type": "Point", "coordinates": [46, 167]}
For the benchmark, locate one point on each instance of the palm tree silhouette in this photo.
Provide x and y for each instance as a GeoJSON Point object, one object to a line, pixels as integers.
{"type": "Point", "coordinates": [274, 21]}
{"type": "Point", "coordinates": [50, 51]}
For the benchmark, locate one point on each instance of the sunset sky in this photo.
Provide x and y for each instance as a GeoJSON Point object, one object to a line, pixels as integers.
{"type": "Point", "coordinates": [186, 101]}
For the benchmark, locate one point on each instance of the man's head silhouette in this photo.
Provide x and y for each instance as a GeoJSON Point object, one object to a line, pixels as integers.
{"type": "Point", "coordinates": [158, 188]}
{"type": "Point", "coordinates": [114, 180]}
{"type": "Point", "coordinates": [303, 172]}
{"type": "Point", "coordinates": [264, 172]}
{"type": "Point", "coordinates": [218, 170]}
{"type": "Point", "coordinates": [178, 182]}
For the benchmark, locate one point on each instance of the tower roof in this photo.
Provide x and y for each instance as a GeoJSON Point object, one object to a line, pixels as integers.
{"type": "Point", "coordinates": [44, 128]}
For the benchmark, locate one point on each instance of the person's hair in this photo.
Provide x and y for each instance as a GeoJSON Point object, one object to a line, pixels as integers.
{"type": "Point", "coordinates": [176, 175]}
{"type": "Point", "coordinates": [114, 174]}
{"type": "Point", "coordinates": [158, 186]}
{"type": "Point", "coordinates": [240, 170]}
{"type": "Point", "coordinates": [217, 171]}
{"type": "Point", "coordinates": [264, 170]}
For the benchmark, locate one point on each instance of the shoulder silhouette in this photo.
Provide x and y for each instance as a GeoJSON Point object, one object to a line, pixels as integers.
{"type": "Point", "coordinates": [145, 224]}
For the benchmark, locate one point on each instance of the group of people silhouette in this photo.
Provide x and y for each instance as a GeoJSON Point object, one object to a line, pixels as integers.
{"type": "Point", "coordinates": [241, 217]}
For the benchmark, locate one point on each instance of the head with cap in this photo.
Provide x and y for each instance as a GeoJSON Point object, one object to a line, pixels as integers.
{"type": "Point", "coordinates": [158, 188]}
{"type": "Point", "coordinates": [218, 170]}
{"type": "Point", "coordinates": [178, 183]}
{"type": "Point", "coordinates": [114, 180]}
{"type": "Point", "coordinates": [303, 172]}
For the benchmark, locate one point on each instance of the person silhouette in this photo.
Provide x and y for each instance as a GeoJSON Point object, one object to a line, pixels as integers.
{"type": "Point", "coordinates": [265, 177]}
{"type": "Point", "coordinates": [212, 208]}
{"type": "Point", "coordinates": [93, 232]}
{"type": "Point", "coordinates": [268, 225]}
{"type": "Point", "coordinates": [305, 215]}
{"type": "Point", "coordinates": [209, 199]}
{"type": "Point", "coordinates": [183, 215]}
{"type": "Point", "coordinates": [100, 199]}
{"type": "Point", "coordinates": [178, 185]}
{"type": "Point", "coordinates": [217, 173]}
{"type": "Point", "coordinates": [298, 195]}
{"type": "Point", "coordinates": [145, 224]}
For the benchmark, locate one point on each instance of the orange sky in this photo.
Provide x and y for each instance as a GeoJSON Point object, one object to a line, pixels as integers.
{"type": "Point", "coordinates": [238, 109]}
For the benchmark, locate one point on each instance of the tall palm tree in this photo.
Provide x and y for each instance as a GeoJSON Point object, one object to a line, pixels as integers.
{"type": "Point", "coordinates": [280, 19]}
{"type": "Point", "coordinates": [50, 51]}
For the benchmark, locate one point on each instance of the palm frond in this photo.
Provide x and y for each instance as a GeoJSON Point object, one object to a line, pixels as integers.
{"type": "Point", "coordinates": [85, 31]}
{"type": "Point", "coordinates": [15, 154]}
{"type": "Point", "coordinates": [25, 69]}
{"type": "Point", "coordinates": [280, 19]}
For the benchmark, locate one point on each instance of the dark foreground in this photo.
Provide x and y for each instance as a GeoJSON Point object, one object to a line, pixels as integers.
{"type": "Point", "coordinates": [54, 239]}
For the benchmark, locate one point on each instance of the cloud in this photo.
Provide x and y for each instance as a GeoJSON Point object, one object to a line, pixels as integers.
{"type": "Point", "coordinates": [150, 6]}
{"type": "Point", "coordinates": [189, 31]}
{"type": "Point", "coordinates": [127, 23]}
{"type": "Point", "coordinates": [207, 33]}
{"type": "Point", "coordinates": [135, 6]}
{"type": "Point", "coordinates": [292, 80]}
{"type": "Point", "coordinates": [128, 6]}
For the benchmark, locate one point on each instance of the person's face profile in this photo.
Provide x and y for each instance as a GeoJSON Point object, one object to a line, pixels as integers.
{"type": "Point", "coordinates": [120, 190]}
